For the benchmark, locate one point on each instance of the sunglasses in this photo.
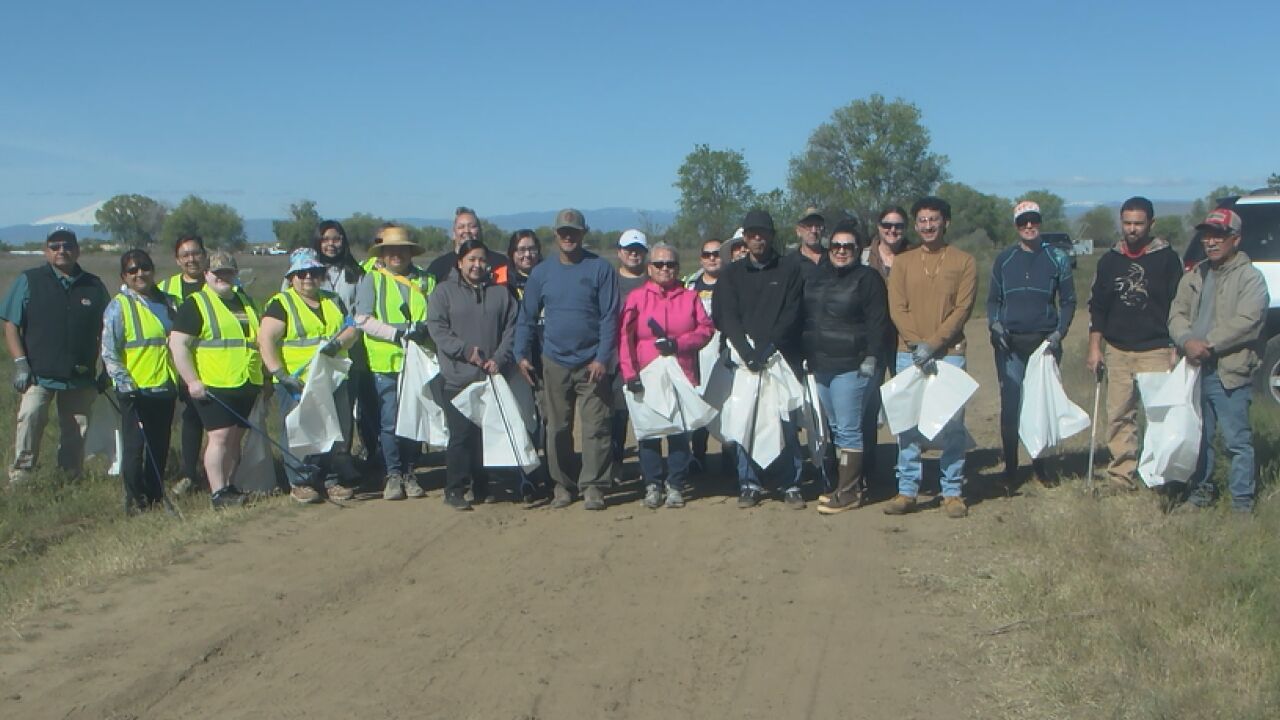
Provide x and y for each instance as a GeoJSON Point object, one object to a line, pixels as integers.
{"type": "Point", "coordinates": [1027, 223]}
{"type": "Point", "coordinates": [843, 247]}
{"type": "Point", "coordinates": [135, 269]}
{"type": "Point", "coordinates": [310, 273]}
{"type": "Point", "coordinates": [893, 226]}
{"type": "Point", "coordinates": [708, 254]}
{"type": "Point", "coordinates": [663, 264]}
{"type": "Point", "coordinates": [60, 246]}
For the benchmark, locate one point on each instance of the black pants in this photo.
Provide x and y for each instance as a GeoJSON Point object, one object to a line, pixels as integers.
{"type": "Point", "coordinates": [192, 435]}
{"type": "Point", "coordinates": [145, 448]}
{"type": "Point", "coordinates": [464, 455]}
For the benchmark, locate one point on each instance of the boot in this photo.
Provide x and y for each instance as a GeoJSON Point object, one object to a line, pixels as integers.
{"type": "Point", "coordinates": [851, 492]}
{"type": "Point", "coordinates": [1010, 477]}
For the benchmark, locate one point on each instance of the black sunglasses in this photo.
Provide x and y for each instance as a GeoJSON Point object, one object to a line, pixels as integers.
{"type": "Point", "coordinates": [664, 264]}
{"type": "Point", "coordinates": [60, 246]}
{"type": "Point", "coordinates": [843, 247]}
{"type": "Point", "coordinates": [710, 254]}
{"type": "Point", "coordinates": [139, 268]}
{"type": "Point", "coordinates": [893, 226]}
{"type": "Point", "coordinates": [313, 273]}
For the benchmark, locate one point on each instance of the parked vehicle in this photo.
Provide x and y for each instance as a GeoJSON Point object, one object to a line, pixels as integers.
{"type": "Point", "coordinates": [1062, 241]}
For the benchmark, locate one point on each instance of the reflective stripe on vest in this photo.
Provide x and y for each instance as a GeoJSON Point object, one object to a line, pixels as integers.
{"type": "Point", "coordinates": [386, 356]}
{"type": "Point", "coordinates": [146, 350]}
{"type": "Point", "coordinates": [306, 332]}
{"type": "Point", "coordinates": [224, 357]}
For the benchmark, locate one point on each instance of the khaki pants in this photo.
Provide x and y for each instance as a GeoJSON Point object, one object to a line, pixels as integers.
{"type": "Point", "coordinates": [1122, 406]}
{"type": "Point", "coordinates": [565, 391]}
{"type": "Point", "coordinates": [73, 423]}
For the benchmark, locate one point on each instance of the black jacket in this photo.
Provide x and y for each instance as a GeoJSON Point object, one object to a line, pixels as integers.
{"type": "Point", "coordinates": [1131, 297]}
{"type": "Point", "coordinates": [757, 306]}
{"type": "Point", "coordinates": [846, 317]}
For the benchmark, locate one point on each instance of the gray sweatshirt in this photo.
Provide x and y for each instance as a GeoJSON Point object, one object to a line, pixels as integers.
{"type": "Point", "coordinates": [461, 317]}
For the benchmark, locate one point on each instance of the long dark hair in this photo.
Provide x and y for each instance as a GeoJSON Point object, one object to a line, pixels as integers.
{"type": "Point", "coordinates": [350, 268]}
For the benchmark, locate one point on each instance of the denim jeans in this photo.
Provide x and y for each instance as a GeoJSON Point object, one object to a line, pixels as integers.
{"type": "Point", "coordinates": [678, 456]}
{"type": "Point", "coordinates": [398, 454]}
{"type": "Point", "coordinates": [951, 438]}
{"type": "Point", "coordinates": [1228, 411]}
{"type": "Point", "coordinates": [287, 403]}
{"type": "Point", "coordinates": [844, 397]}
{"type": "Point", "coordinates": [787, 466]}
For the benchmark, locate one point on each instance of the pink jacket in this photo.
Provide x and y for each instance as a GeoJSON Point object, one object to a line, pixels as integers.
{"type": "Point", "coordinates": [678, 312]}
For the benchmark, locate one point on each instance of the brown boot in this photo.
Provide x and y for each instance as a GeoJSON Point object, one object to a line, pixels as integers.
{"type": "Point", "coordinates": [852, 488]}
{"type": "Point", "coordinates": [900, 505]}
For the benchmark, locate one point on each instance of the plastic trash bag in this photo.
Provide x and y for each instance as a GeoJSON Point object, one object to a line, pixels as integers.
{"type": "Point", "coordinates": [312, 426]}
{"type": "Point", "coordinates": [669, 405]}
{"type": "Point", "coordinates": [102, 437]}
{"type": "Point", "coordinates": [708, 359]}
{"type": "Point", "coordinates": [1047, 416]}
{"type": "Point", "coordinates": [756, 406]}
{"type": "Point", "coordinates": [1171, 445]}
{"type": "Point", "coordinates": [420, 415]}
{"type": "Point", "coordinates": [492, 406]}
{"type": "Point", "coordinates": [257, 469]}
{"type": "Point", "coordinates": [912, 399]}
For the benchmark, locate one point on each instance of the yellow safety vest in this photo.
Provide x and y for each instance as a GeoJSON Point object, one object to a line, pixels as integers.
{"type": "Point", "coordinates": [225, 357]}
{"type": "Point", "coordinates": [386, 356]}
{"type": "Point", "coordinates": [146, 349]}
{"type": "Point", "coordinates": [173, 288]}
{"type": "Point", "coordinates": [306, 332]}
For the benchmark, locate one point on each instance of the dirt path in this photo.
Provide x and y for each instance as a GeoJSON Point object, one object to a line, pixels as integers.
{"type": "Point", "coordinates": [413, 610]}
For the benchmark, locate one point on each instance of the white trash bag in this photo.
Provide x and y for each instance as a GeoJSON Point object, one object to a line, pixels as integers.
{"type": "Point", "coordinates": [669, 405]}
{"type": "Point", "coordinates": [1171, 445]}
{"type": "Point", "coordinates": [491, 405]}
{"type": "Point", "coordinates": [758, 403]}
{"type": "Point", "coordinates": [1047, 416]}
{"type": "Point", "coordinates": [312, 425]}
{"type": "Point", "coordinates": [420, 416]}
{"type": "Point", "coordinates": [912, 399]}
{"type": "Point", "coordinates": [102, 437]}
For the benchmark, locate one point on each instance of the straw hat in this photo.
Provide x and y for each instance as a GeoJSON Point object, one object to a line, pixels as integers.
{"type": "Point", "coordinates": [396, 237]}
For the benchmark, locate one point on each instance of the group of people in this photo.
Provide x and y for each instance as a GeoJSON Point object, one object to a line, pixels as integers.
{"type": "Point", "coordinates": [845, 308]}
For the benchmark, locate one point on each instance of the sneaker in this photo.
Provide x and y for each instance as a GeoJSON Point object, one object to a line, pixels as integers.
{"type": "Point", "coordinates": [593, 498]}
{"type": "Point", "coordinates": [394, 489]}
{"type": "Point", "coordinates": [562, 498]}
{"type": "Point", "coordinates": [340, 492]}
{"type": "Point", "coordinates": [954, 507]}
{"type": "Point", "coordinates": [748, 498]}
{"type": "Point", "coordinates": [412, 488]}
{"type": "Point", "coordinates": [457, 501]}
{"type": "Point", "coordinates": [305, 494]}
{"type": "Point", "coordinates": [652, 497]}
{"type": "Point", "coordinates": [900, 505]}
{"type": "Point", "coordinates": [793, 498]}
{"type": "Point", "coordinates": [675, 499]}
{"type": "Point", "coordinates": [183, 486]}
{"type": "Point", "coordinates": [229, 496]}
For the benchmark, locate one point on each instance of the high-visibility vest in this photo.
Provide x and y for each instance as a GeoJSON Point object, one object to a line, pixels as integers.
{"type": "Point", "coordinates": [173, 288]}
{"type": "Point", "coordinates": [386, 356]}
{"type": "Point", "coordinates": [224, 355]}
{"type": "Point", "coordinates": [146, 349]}
{"type": "Point", "coordinates": [306, 332]}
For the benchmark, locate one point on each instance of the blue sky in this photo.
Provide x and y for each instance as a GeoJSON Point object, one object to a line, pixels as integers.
{"type": "Point", "coordinates": [409, 109]}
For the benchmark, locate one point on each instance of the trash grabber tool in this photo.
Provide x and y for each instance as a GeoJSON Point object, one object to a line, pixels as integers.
{"type": "Point", "coordinates": [146, 447]}
{"type": "Point", "coordinates": [301, 466]}
{"type": "Point", "coordinates": [684, 425]}
{"type": "Point", "coordinates": [1093, 428]}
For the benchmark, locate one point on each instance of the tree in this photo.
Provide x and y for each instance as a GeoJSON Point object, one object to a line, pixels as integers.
{"type": "Point", "coordinates": [782, 208]}
{"type": "Point", "coordinates": [1201, 207]}
{"type": "Point", "coordinates": [361, 227]}
{"type": "Point", "coordinates": [131, 220]}
{"type": "Point", "coordinates": [1170, 228]}
{"type": "Point", "coordinates": [1274, 181]}
{"type": "Point", "coordinates": [1098, 225]}
{"type": "Point", "coordinates": [714, 193]}
{"type": "Point", "coordinates": [219, 225]}
{"type": "Point", "coordinates": [1053, 214]}
{"type": "Point", "coordinates": [300, 228]}
{"type": "Point", "coordinates": [870, 154]}
{"type": "Point", "coordinates": [972, 210]}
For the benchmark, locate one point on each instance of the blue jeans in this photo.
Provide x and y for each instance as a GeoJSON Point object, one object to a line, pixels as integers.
{"type": "Point", "coordinates": [398, 454]}
{"type": "Point", "coordinates": [951, 438]}
{"type": "Point", "coordinates": [844, 397]}
{"type": "Point", "coordinates": [1228, 411]}
{"type": "Point", "coordinates": [787, 466]}
{"type": "Point", "coordinates": [678, 456]}
{"type": "Point", "coordinates": [287, 403]}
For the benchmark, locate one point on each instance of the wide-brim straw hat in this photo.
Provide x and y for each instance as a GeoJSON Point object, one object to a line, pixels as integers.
{"type": "Point", "coordinates": [396, 237]}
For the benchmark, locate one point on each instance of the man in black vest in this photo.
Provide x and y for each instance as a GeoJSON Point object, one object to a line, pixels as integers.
{"type": "Point", "coordinates": [53, 326]}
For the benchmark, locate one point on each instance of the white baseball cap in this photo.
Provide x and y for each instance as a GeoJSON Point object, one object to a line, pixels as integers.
{"type": "Point", "coordinates": [633, 237]}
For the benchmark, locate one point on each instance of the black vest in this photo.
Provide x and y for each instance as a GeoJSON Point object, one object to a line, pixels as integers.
{"type": "Point", "coordinates": [63, 327]}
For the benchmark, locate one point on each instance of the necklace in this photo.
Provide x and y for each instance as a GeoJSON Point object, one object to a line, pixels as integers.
{"type": "Point", "coordinates": [942, 257]}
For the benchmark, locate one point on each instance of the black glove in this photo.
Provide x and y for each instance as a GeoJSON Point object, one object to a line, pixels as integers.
{"type": "Point", "coordinates": [929, 367]}
{"type": "Point", "coordinates": [999, 336]}
{"type": "Point", "coordinates": [417, 333]}
{"type": "Point", "coordinates": [666, 346]}
{"type": "Point", "coordinates": [755, 365]}
{"type": "Point", "coordinates": [288, 382]}
{"type": "Point", "coordinates": [331, 348]}
{"type": "Point", "coordinates": [102, 382]}
{"type": "Point", "coordinates": [23, 378]}
{"type": "Point", "coordinates": [635, 386]}
{"type": "Point", "coordinates": [921, 354]}
{"type": "Point", "coordinates": [1055, 341]}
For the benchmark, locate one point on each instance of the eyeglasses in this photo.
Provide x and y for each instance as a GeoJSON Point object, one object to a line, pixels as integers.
{"type": "Point", "coordinates": [843, 247]}
{"type": "Point", "coordinates": [311, 273]}
{"type": "Point", "coordinates": [192, 255]}
{"type": "Point", "coordinates": [135, 269]}
{"type": "Point", "coordinates": [708, 254]}
{"type": "Point", "coordinates": [893, 226]}
{"type": "Point", "coordinates": [1208, 239]}
{"type": "Point", "coordinates": [527, 249]}
{"type": "Point", "coordinates": [664, 264]}
{"type": "Point", "coordinates": [61, 246]}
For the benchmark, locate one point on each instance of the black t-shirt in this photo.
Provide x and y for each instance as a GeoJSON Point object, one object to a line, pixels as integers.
{"type": "Point", "coordinates": [275, 309]}
{"type": "Point", "coordinates": [190, 322]}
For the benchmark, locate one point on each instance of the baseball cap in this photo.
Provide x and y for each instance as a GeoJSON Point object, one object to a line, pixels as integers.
{"type": "Point", "coordinates": [303, 259]}
{"type": "Point", "coordinates": [570, 218]}
{"type": "Point", "coordinates": [737, 237]}
{"type": "Point", "coordinates": [1026, 207]}
{"type": "Point", "coordinates": [222, 260]}
{"type": "Point", "coordinates": [1222, 219]}
{"type": "Point", "coordinates": [759, 219]}
{"type": "Point", "coordinates": [633, 237]}
{"type": "Point", "coordinates": [61, 233]}
{"type": "Point", "coordinates": [810, 212]}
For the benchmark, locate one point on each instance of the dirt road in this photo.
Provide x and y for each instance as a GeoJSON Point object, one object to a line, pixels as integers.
{"type": "Point", "coordinates": [413, 610]}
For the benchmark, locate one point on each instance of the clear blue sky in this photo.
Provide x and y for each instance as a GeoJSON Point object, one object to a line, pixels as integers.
{"type": "Point", "coordinates": [410, 108]}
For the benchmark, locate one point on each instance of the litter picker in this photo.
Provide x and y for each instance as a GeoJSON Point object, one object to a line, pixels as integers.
{"type": "Point", "coordinates": [1093, 428]}
{"type": "Point", "coordinates": [525, 482]}
{"type": "Point", "coordinates": [146, 446]}
{"type": "Point", "coordinates": [301, 466]}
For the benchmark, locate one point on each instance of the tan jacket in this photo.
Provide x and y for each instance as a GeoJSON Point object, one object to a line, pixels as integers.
{"type": "Point", "coordinates": [1239, 314]}
{"type": "Point", "coordinates": [931, 297]}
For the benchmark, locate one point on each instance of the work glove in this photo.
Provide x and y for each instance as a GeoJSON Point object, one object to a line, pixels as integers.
{"type": "Point", "coordinates": [754, 364]}
{"type": "Point", "coordinates": [23, 378]}
{"type": "Point", "coordinates": [666, 346]}
{"type": "Point", "coordinates": [288, 382]}
{"type": "Point", "coordinates": [1055, 342]}
{"type": "Point", "coordinates": [331, 348]}
{"type": "Point", "coordinates": [921, 353]}
{"type": "Point", "coordinates": [929, 367]}
{"type": "Point", "coordinates": [126, 388]}
{"type": "Point", "coordinates": [999, 336]}
{"type": "Point", "coordinates": [868, 367]}
{"type": "Point", "coordinates": [102, 382]}
{"type": "Point", "coordinates": [635, 387]}
{"type": "Point", "coordinates": [417, 333]}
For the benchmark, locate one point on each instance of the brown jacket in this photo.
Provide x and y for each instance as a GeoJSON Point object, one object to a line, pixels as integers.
{"type": "Point", "coordinates": [1239, 314]}
{"type": "Point", "coordinates": [931, 297]}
